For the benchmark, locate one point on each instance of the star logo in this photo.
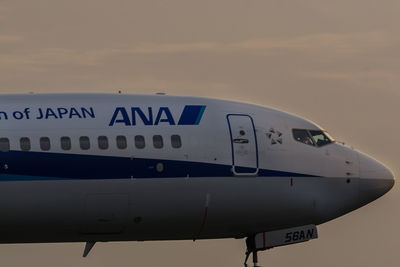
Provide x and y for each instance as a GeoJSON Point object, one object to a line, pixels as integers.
{"type": "Point", "coordinates": [275, 137]}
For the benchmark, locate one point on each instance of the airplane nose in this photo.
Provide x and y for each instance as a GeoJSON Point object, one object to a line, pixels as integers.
{"type": "Point", "coordinates": [375, 179]}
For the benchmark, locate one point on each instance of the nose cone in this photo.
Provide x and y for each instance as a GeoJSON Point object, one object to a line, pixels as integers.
{"type": "Point", "coordinates": [375, 179]}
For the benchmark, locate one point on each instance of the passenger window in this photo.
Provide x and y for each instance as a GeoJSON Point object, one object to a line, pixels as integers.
{"type": "Point", "coordinates": [65, 143]}
{"type": "Point", "coordinates": [103, 142]}
{"type": "Point", "coordinates": [158, 141]}
{"type": "Point", "coordinates": [121, 142]}
{"type": "Point", "coordinates": [84, 142]}
{"type": "Point", "coordinates": [140, 142]}
{"type": "Point", "coordinates": [176, 141]}
{"type": "Point", "coordinates": [4, 144]}
{"type": "Point", "coordinates": [45, 143]}
{"type": "Point", "coordinates": [303, 137]}
{"type": "Point", "coordinates": [25, 144]}
{"type": "Point", "coordinates": [320, 138]}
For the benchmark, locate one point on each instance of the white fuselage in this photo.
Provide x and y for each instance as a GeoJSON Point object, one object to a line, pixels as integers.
{"type": "Point", "coordinates": [98, 167]}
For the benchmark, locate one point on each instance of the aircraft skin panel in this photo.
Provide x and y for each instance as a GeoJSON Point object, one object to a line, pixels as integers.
{"type": "Point", "coordinates": [56, 211]}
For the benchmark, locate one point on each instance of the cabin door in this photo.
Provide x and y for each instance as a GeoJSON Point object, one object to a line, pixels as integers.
{"type": "Point", "coordinates": [244, 145]}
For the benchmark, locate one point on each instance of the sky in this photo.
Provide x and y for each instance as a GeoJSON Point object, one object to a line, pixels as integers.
{"type": "Point", "coordinates": [334, 62]}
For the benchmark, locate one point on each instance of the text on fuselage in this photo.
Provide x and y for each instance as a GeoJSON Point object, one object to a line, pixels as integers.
{"type": "Point", "coordinates": [191, 115]}
{"type": "Point", "coordinates": [49, 113]}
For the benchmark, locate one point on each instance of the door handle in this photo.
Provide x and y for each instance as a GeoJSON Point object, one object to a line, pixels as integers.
{"type": "Point", "coordinates": [241, 141]}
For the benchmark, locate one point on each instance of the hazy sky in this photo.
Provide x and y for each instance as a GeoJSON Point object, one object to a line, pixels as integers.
{"type": "Point", "coordinates": [334, 62]}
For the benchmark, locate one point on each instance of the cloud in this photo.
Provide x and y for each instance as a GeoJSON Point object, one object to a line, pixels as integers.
{"type": "Point", "coordinates": [378, 78]}
{"type": "Point", "coordinates": [346, 43]}
{"type": "Point", "coordinates": [9, 39]}
{"type": "Point", "coordinates": [48, 58]}
{"type": "Point", "coordinates": [328, 44]}
{"type": "Point", "coordinates": [153, 84]}
{"type": "Point", "coordinates": [3, 11]}
{"type": "Point", "coordinates": [55, 56]}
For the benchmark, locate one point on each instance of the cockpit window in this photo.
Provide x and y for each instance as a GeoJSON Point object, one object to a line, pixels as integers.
{"type": "Point", "coordinates": [303, 137]}
{"type": "Point", "coordinates": [312, 137]}
{"type": "Point", "coordinates": [320, 138]}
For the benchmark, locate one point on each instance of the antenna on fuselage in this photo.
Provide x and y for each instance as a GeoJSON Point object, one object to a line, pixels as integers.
{"type": "Point", "coordinates": [88, 248]}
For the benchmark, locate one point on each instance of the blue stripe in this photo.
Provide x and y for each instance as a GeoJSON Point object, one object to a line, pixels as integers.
{"type": "Point", "coordinates": [191, 115]}
{"type": "Point", "coordinates": [11, 178]}
{"type": "Point", "coordinates": [41, 166]}
{"type": "Point", "coordinates": [203, 108]}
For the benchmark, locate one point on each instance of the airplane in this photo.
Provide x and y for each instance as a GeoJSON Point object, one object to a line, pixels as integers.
{"type": "Point", "coordinates": [115, 167]}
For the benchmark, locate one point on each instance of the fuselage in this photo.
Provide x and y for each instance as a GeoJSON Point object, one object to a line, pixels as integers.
{"type": "Point", "coordinates": [80, 167]}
